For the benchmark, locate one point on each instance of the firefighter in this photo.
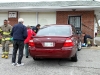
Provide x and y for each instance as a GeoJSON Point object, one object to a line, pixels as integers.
{"type": "Point", "coordinates": [5, 41]}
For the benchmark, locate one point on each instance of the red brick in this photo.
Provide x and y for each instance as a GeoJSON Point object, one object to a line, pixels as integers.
{"type": "Point", "coordinates": [87, 18]}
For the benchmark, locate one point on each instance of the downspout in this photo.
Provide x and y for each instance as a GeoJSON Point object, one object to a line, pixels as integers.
{"type": "Point", "coordinates": [37, 18]}
{"type": "Point", "coordinates": [98, 28]}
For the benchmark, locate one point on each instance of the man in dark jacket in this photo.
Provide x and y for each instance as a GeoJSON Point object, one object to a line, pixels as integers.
{"type": "Point", "coordinates": [36, 29]}
{"type": "Point", "coordinates": [87, 39]}
{"type": "Point", "coordinates": [19, 34]}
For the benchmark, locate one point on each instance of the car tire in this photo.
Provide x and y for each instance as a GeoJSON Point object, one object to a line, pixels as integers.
{"type": "Point", "coordinates": [34, 58]}
{"type": "Point", "coordinates": [74, 58]}
{"type": "Point", "coordinates": [79, 46]}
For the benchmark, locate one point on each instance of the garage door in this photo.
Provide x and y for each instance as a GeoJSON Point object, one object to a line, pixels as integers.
{"type": "Point", "coordinates": [3, 16]}
{"type": "Point", "coordinates": [46, 18]}
{"type": "Point", "coordinates": [29, 18]}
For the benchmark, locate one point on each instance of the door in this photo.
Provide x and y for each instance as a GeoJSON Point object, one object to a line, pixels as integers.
{"type": "Point", "coordinates": [75, 21]}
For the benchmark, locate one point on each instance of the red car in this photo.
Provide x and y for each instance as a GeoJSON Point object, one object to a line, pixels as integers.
{"type": "Point", "coordinates": [55, 41]}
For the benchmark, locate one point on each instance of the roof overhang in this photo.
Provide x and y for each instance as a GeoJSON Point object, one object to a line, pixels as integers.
{"type": "Point", "coordinates": [51, 9]}
{"type": "Point", "coordinates": [50, 6]}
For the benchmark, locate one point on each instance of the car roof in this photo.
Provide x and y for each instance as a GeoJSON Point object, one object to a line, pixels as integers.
{"type": "Point", "coordinates": [56, 25]}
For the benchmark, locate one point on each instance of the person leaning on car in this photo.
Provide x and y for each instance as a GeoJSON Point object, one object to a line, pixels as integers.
{"type": "Point", "coordinates": [30, 33]}
{"type": "Point", "coordinates": [36, 29]}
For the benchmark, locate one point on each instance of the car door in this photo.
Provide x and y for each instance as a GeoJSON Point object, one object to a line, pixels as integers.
{"type": "Point", "coordinates": [75, 36]}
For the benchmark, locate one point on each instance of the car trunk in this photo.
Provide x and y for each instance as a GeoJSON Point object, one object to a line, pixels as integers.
{"type": "Point", "coordinates": [49, 42]}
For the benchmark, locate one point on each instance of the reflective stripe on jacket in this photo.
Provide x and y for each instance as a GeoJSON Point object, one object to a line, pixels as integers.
{"type": "Point", "coordinates": [3, 39]}
{"type": "Point", "coordinates": [6, 39]}
{"type": "Point", "coordinates": [6, 33]}
{"type": "Point", "coordinates": [0, 30]}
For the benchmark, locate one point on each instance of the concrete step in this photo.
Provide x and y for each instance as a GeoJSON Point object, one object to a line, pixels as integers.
{"type": "Point", "coordinates": [97, 42]}
{"type": "Point", "coordinates": [92, 48]}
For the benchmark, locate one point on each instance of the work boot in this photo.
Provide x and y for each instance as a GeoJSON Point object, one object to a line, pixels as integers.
{"type": "Point", "coordinates": [3, 56]}
{"type": "Point", "coordinates": [6, 57]}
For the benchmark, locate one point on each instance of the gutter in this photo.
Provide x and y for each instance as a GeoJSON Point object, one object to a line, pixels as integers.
{"type": "Point", "coordinates": [51, 7]}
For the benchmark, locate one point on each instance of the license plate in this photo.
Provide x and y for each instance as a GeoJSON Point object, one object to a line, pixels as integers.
{"type": "Point", "coordinates": [49, 44]}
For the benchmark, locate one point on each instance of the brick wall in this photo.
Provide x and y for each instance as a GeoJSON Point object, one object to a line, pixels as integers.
{"type": "Point", "coordinates": [13, 21]}
{"type": "Point", "coordinates": [87, 19]}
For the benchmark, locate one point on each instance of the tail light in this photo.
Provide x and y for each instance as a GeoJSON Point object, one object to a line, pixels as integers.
{"type": "Point", "coordinates": [31, 43]}
{"type": "Point", "coordinates": [68, 43]}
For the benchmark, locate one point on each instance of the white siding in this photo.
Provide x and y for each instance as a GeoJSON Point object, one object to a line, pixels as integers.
{"type": "Point", "coordinates": [98, 14]}
{"type": "Point", "coordinates": [46, 18]}
{"type": "Point", "coordinates": [98, 18]}
{"type": "Point", "coordinates": [29, 18]}
{"type": "Point", "coordinates": [83, 0]}
{"type": "Point", "coordinates": [3, 16]}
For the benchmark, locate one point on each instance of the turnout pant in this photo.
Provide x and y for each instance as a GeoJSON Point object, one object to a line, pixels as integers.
{"type": "Point", "coordinates": [17, 45]}
{"type": "Point", "coordinates": [5, 47]}
{"type": "Point", "coordinates": [90, 41]}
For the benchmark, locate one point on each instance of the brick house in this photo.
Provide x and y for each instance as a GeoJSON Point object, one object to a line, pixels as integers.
{"type": "Point", "coordinates": [78, 13]}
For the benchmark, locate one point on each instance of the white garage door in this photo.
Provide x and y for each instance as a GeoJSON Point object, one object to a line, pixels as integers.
{"type": "Point", "coordinates": [3, 16]}
{"type": "Point", "coordinates": [46, 18]}
{"type": "Point", "coordinates": [29, 18]}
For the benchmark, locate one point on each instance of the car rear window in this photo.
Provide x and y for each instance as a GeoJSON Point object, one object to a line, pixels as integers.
{"type": "Point", "coordinates": [55, 31]}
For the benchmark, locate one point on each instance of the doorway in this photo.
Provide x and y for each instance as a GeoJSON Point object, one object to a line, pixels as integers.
{"type": "Point", "coordinates": [75, 21]}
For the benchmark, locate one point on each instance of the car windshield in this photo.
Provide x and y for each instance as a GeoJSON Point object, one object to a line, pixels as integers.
{"type": "Point", "coordinates": [55, 31]}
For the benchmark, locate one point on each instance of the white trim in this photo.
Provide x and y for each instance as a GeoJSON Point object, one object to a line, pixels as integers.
{"type": "Point", "coordinates": [62, 7]}
{"type": "Point", "coordinates": [94, 32]}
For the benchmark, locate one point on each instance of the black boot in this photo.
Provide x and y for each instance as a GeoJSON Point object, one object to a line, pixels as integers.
{"type": "Point", "coordinates": [26, 56]}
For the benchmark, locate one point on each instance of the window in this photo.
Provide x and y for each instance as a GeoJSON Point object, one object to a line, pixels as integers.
{"type": "Point", "coordinates": [75, 21]}
{"type": "Point", "coordinates": [55, 31]}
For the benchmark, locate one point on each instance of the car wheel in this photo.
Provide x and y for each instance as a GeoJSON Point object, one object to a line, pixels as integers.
{"type": "Point", "coordinates": [74, 58]}
{"type": "Point", "coordinates": [79, 46]}
{"type": "Point", "coordinates": [34, 58]}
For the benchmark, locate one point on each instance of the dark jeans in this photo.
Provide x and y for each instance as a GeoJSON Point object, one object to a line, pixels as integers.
{"type": "Point", "coordinates": [17, 45]}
